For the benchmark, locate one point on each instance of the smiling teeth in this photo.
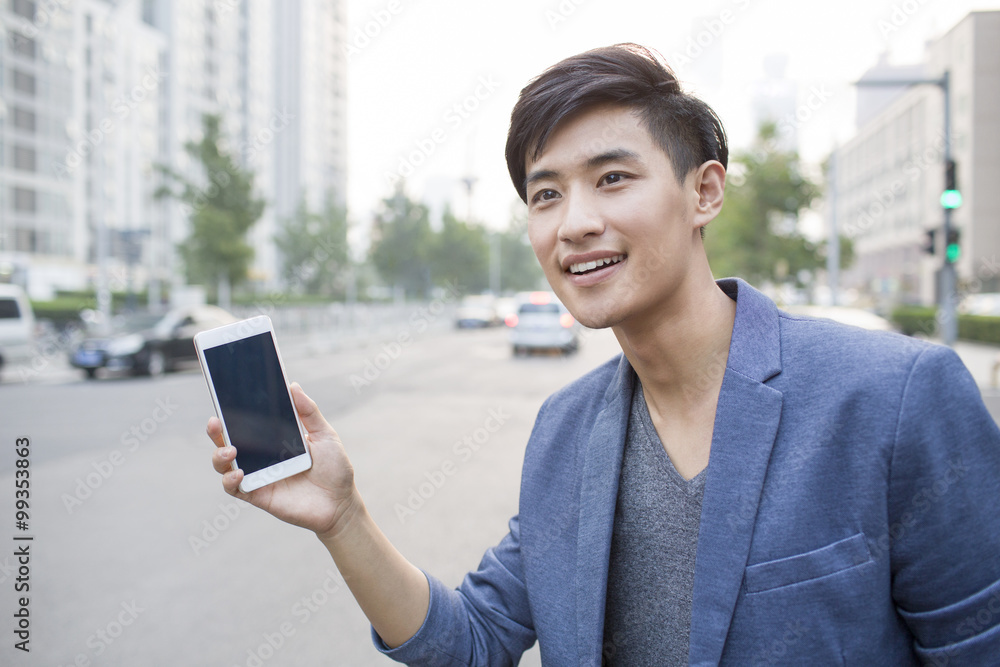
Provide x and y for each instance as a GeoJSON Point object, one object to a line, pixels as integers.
{"type": "Point", "coordinates": [583, 267]}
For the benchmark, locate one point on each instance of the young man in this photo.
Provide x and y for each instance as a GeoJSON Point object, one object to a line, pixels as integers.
{"type": "Point", "coordinates": [739, 487]}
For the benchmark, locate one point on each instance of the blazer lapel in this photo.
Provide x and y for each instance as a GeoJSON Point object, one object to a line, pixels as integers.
{"type": "Point", "coordinates": [746, 423]}
{"type": "Point", "coordinates": [598, 497]}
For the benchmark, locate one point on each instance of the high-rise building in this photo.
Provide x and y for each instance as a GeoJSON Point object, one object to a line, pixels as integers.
{"type": "Point", "coordinates": [890, 176]}
{"type": "Point", "coordinates": [96, 95]}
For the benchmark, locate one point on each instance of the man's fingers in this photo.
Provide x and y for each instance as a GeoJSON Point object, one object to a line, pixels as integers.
{"type": "Point", "coordinates": [214, 430]}
{"type": "Point", "coordinates": [231, 482]}
{"type": "Point", "coordinates": [222, 459]}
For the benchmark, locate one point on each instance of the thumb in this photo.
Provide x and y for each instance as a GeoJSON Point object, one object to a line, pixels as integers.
{"type": "Point", "coordinates": [308, 411]}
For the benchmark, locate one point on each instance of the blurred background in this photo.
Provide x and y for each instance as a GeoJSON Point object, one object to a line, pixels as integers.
{"type": "Point", "coordinates": [167, 166]}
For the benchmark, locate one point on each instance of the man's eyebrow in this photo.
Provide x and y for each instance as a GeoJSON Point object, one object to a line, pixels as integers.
{"type": "Point", "coordinates": [613, 155]}
{"type": "Point", "coordinates": [539, 175]}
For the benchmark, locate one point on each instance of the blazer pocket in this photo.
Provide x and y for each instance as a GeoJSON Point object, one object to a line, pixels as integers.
{"type": "Point", "coordinates": [837, 557]}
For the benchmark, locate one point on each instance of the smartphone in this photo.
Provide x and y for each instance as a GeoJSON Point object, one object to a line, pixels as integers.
{"type": "Point", "coordinates": [253, 401]}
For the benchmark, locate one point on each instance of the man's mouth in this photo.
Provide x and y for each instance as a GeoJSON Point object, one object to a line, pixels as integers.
{"type": "Point", "coordinates": [586, 267]}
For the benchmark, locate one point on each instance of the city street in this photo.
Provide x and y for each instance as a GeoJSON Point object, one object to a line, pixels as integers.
{"type": "Point", "coordinates": [139, 558]}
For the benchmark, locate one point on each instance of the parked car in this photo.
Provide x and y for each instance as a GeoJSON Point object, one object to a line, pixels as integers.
{"type": "Point", "coordinates": [17, 326]}
{"type": "Point", "coordinates": [543, 323]}
{"type": "Point", "coordinates": [987, 303]}
{"type": "Point", "coordinates": [147, 343]}
{"type": "Point", "coordinates": [476, 310]}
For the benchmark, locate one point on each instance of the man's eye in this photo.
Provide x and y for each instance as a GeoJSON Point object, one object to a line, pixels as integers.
{"type": "Point", "coordinates": [611, 179]}
{"type": "Point", "coordinates": [545, 195]}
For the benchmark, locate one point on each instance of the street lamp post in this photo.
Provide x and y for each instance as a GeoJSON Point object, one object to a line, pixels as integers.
{"type": "Point", "coordinates": [947, 316]}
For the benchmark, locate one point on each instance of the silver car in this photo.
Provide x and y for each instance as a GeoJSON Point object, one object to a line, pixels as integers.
{"type": "Point", "coordinates": [542, 323]}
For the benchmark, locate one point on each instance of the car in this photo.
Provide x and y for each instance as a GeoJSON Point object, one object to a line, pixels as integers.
{"type": "Point", "coordinates": [987, 304]}
{"type": "Point", "coordinates": [146, 343]}
{"type": "Point", "coordinates": [475, 311]}
{"type": "Point", "coordinates": [17, 326]}
{"type": "Point", "coordinates": [543, 323]}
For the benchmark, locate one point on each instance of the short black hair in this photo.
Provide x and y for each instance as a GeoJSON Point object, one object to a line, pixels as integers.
{"type": "Point", "coordinates": [685, 128]}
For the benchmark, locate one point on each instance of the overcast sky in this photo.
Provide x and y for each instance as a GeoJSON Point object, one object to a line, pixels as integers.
{"type": "Point", "coordinates": [432, 82]}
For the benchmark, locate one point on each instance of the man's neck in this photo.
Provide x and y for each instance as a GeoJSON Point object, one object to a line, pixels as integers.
{"type": "Point", "coordinates": [680, 352]}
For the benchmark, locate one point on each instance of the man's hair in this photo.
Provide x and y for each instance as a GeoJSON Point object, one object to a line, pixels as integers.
{"type": "Point", "coordinates": [684, 127]}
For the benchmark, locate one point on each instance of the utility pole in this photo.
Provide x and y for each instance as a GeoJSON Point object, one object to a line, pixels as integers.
{"type": "Point", "coordinates": [947, 316]}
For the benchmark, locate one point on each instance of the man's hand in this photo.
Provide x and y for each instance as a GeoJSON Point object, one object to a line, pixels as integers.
{"type": "Point", "coordinates": [322, 498]}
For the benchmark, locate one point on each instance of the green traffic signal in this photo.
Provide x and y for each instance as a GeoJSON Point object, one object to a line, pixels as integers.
{"type": "Point", "coordinates": [951, 199]}
{"type": "Point", "coordinates": [952, 250]}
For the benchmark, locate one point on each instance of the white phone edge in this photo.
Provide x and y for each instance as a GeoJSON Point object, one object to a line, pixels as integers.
{"type": "Point", "coordinates": [236, 331]}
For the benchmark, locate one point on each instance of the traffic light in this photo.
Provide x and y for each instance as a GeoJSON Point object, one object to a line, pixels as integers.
{"type": "Point", "coordinates": [929, 237]}
{"type": "Point", "coordinates": [953, 251]}
{"type": "Point", "coordinates": [951, 197]}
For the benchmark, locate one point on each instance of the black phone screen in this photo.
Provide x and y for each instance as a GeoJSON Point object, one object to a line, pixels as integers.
{"type": "Point", "coordinates": [254, 401]}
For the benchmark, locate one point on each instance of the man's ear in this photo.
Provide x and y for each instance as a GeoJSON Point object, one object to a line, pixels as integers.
{"type": "Point", "coordinates": [709, 186]}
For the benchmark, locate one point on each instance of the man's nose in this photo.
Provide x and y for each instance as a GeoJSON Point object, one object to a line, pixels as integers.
{"type": "Point", "coordinates": [580, 218]}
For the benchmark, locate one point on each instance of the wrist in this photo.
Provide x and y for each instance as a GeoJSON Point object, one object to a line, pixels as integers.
{"type": "Point", "coordinates": [352, 514]}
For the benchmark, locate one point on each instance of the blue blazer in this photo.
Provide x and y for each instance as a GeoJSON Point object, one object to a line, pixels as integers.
{"type": "Point", "coordinates": [851, 513]}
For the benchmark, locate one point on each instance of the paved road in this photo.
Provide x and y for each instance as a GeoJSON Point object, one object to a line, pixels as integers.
{"type": "Point", "coordinates": [139, 558]}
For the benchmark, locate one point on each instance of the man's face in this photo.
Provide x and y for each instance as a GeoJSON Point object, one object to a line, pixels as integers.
{"type": "Point", "coordinates": [612, 228]}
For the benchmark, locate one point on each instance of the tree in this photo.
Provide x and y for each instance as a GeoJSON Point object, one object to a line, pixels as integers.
{"type": "Point", "coordinates": [756, 235]}
{"type": "Point", "coordinates": [460, 255]}
{"type": "Point", "coordinates": [314, 252]}
{"type": "Point", "coordinates": [221, 211]}
{"type": "Point", "coordinates": [401, 244]}
{"type": "Point", "coordinates": [519, 268]}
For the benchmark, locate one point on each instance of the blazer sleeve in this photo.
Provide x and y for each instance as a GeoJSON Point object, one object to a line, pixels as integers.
{"type": "Point", "coordinates": [486, 621]}
{"type": "Point", "coordinates": [944, 514]}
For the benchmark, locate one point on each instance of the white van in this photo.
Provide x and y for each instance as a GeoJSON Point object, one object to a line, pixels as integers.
{"type": "Point", "coordinates": [17, 327]}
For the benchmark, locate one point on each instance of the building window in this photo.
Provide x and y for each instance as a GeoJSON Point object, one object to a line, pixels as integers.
{"type": "Point", "coordinates": [23, 82]}
{"type": "Point", "coordinates": [25, 158]}
{"type": "Point", "coordinates": [25, 200]}
{"type": "Point", "coordinates": [25, 8]}
{"type": "Point", "coordinates": [24, 119]}
{"type": "Point", "coordinates": [24, 240]}
{"type": "Point", "coordinates": [22, 46]}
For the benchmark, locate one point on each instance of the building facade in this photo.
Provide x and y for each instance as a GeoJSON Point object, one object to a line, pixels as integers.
{"type": "Point", "coordinates": [96, 96]}
{"type": "Point", "coordinates": [887, 181]}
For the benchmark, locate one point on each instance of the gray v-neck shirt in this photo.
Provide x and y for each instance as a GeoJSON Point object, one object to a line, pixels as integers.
{"type": "Point", "coordinates": [651, 572]}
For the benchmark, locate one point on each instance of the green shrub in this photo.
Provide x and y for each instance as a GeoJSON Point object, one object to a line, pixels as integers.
{"type": "Point", "coordinates": [915, 319]}
{"type": "Point", "coordinates": [980, 328]}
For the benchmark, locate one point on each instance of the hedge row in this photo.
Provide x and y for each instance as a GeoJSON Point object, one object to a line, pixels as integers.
{"type": "Point", "coordinates": [64, 310]}
{"type": "Point", "coordinates": [980, 328]}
